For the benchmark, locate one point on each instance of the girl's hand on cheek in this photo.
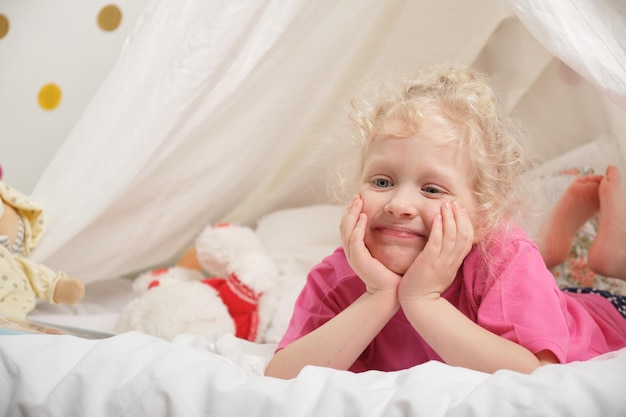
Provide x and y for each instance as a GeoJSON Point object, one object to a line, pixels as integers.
{"type": "Point", "coordinates": [349, 220]}
{"type": "Point", "coordinates": [376, 276]}
{"type": "Point", "coordinates": [434, 269]}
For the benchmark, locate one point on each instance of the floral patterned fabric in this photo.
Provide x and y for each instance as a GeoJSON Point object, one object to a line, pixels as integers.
{"type": "Point", "coordinates": [575, 271]}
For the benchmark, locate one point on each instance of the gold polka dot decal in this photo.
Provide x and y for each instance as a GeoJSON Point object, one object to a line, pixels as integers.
{"type": "Point", "coordinates": [109, 18]}
{"type": "Point", "coordinates": [4, 26]}
{"type": "Point", "coordinates": [49, 96]}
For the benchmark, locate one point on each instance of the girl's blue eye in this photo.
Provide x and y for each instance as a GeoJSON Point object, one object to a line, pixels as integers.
{"type": "Point", "coordinates": [431, 190]}
{"type": "Point", "coordinates": [382, 183]}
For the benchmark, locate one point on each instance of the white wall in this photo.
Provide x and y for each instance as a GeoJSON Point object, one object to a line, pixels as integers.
{"type": "Point", "coordinates": [69, 43]}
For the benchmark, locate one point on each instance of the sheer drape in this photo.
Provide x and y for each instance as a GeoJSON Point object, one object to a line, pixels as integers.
{"type": "Point", "coordinates": [217, 109]}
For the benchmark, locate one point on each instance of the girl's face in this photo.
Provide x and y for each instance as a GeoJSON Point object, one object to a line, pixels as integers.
{"type": "Point", "coordinates": [403, 185]}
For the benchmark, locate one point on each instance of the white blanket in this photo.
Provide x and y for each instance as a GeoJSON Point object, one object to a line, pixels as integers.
{"type": "Point", "coordinates": [138, 375]}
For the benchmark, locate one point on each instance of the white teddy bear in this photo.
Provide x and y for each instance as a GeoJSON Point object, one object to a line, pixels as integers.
{"type": "Point", "coordinates": [237, 298]}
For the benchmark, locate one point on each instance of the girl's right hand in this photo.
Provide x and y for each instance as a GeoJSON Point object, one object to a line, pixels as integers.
{"type": "Point", "coordinates": [376, 276]}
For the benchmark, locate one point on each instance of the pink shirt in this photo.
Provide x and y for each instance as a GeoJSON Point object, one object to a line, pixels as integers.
{"type": "Point", "coordinates": [513, 295]}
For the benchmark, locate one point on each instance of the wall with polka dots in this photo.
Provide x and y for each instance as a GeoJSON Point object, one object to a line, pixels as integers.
{"type": "Point", "coordinates": [53, 56]}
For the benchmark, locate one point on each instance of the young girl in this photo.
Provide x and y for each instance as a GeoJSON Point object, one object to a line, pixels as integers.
{"type": "Point", "coordinates": [432, 265]}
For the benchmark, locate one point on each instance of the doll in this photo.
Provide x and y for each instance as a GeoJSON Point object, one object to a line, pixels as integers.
{"type": "Point", "coordinates": [23, 281]}
{"type": "Point", "coordinates": [224, 284]}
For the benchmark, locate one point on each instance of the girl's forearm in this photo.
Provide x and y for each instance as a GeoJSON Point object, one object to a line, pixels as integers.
{"type": "Point", "coordinates": [340, 341]}
{"type": "Point", "coordinates": [461, 342]}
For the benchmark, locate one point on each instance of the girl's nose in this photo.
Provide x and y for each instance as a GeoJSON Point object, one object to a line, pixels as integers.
{"type": "Point", "coordinates": [402, 204]}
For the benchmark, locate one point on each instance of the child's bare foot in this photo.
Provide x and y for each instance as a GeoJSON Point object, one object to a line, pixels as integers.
{"type": "Point", "coordinates": [578, 204]}
{"type": "Point", "coordinates": [607, 253]}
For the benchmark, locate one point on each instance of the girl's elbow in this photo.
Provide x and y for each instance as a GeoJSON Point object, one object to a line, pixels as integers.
{"type": "Point", "coordinates": [276, 368]}
{"type": "Point", "coordinates": [270, 369]}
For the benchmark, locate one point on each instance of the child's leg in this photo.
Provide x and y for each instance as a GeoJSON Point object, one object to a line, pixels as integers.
{"type": "Point", "coordinates": [607, 253]}
{"type": "Point", "coordinates": [578, 204]}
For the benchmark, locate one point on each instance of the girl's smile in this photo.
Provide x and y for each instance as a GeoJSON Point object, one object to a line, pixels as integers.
{"type": "Point", "coordinates": [391, 232]}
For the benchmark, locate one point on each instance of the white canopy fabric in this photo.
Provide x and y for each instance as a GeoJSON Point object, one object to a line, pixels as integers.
{"type": "Point", "coordinates": [221, 110]}
{"type": "Point", "coordinates": [590, 36]}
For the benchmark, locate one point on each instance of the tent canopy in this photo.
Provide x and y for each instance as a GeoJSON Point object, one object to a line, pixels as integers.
{"type": "Point", "coordinates": [227, 110]}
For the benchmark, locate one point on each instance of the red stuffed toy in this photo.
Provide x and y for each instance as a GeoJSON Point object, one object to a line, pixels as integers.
{"type": "Point", "coordinates": [182, 299]}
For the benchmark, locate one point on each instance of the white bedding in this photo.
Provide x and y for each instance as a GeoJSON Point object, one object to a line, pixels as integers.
{"type": "Point", "coordinates": [138, 375]}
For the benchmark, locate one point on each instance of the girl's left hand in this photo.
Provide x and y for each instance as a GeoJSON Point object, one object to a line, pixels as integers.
{"type": "Point", "coordinates": [434, 269]}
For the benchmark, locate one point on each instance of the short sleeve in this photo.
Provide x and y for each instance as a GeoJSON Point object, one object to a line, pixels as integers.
{"type": "Point", "coordinates": [330, 287]}
{"type": "Point", "coordinates": [523, 303]}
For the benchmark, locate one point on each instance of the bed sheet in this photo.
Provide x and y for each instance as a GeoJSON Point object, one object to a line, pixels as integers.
{"type": "Point", "coordinates": [98, 310]}
{"type": "Point", "coordinates": [136, 375]}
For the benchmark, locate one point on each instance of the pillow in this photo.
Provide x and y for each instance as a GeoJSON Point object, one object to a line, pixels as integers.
{"type": "Point", "coordinates": [299, 238]}
{"type": "Point", "coordinates": [595, 155]}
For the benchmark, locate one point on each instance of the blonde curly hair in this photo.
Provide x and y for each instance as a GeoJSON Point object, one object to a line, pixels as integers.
{"type": "Point", "coordinates": [462, 101]}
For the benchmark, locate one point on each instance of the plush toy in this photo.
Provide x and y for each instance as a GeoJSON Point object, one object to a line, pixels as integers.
{"type": "Point", "coordinates": [23, 281]}
{"type": "Point", "coordinates": [221, 285]}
